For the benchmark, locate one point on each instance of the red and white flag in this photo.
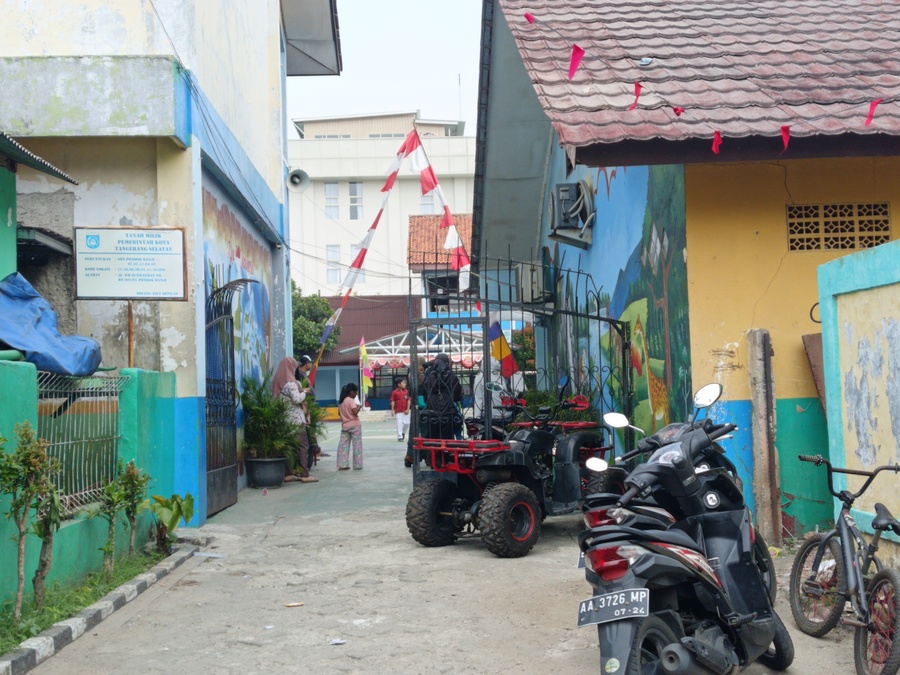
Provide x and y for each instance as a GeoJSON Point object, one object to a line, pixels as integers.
{"type": "Point", "coordinates": [418, 161]}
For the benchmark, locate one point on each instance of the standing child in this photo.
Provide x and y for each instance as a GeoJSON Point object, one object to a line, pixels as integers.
{"type": "Point", "coordinates": [351, 428]}
{"type": "Point", "coordinates": [400, 408]}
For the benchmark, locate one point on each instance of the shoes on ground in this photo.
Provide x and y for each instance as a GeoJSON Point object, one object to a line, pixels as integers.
{"type": "Point", "coordinates": [407, 461]}
{"type": "Point", "coordinates": [324, 454]}
{"type": "Point", "coordinates": [309, 479]}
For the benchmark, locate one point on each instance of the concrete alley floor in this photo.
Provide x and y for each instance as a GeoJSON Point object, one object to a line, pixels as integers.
{"type": "Point", "coordinates": [340, 546]}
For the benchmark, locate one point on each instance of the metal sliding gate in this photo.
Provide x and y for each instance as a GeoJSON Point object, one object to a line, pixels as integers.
{"type": "Point", "coordinates": [553, 321]}
{"type": "Point", "coordinates": [221, 399]}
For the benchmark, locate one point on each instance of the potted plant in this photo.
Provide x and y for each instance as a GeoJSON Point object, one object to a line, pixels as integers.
{"type": "Point", "coordinates": [270, 438]}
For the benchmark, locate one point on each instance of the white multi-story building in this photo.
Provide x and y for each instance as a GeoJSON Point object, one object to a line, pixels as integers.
{"type": "Point", "coordinates": [347, 159]}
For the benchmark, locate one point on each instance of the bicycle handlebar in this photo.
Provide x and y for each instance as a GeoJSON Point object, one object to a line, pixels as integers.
{"type": "Point", "coordinates": [847, 496]}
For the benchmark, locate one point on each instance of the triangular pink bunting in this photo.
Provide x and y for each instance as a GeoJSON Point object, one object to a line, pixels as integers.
{"type": "Point", "coordinates": [529, 17]}
{"type": "Point", "coordinates": [785, 135]}
{"type": "Point", "coordinates": [872, 106]}
{"type": "Point", "coordinates": [717, 142]}
{"type": "Point", "coordinates": [637, 95]}
{"type": "Point", "coordinates": [577, 55]}
{"type": "Point", "coordinates": [678, 111]}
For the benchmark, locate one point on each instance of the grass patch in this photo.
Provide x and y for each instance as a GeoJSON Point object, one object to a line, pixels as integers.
{"type": "Point", "coordinates": [64, 602]}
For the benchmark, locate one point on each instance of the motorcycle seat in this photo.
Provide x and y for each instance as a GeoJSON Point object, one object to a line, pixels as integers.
{"type": "Point", "coordinates": [616, 533]}
{"type": "Point", "coordinates": [883, 519]}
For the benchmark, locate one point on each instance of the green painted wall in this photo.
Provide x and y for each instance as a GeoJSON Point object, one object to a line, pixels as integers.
{"type": "Point", "coordinates": [802, 430]}
{"type": "Point", "coordinates": [7, 223]}
{"type": "Point", "coordinates": [146, 425]}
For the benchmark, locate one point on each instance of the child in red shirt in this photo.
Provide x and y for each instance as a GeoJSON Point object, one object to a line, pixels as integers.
{"type": "Point", "coordinates": [400, 408]}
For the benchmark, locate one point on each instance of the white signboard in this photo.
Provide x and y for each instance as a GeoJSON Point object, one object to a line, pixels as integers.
{"type": "Point", "coordinates": [129, 263]}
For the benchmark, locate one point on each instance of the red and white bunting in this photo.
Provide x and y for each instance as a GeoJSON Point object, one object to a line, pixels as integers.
{"type": "Point", "coordinates": [459, 260]}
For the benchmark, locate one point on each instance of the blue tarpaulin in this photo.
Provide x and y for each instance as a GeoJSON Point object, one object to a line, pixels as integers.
{"type": "Point", "coordinates": [28, 323]}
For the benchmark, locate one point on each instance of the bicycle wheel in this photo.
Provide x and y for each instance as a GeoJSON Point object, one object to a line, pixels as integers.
{"type": "Point", "coordinates": [875, 650]}
{"type": "Point", "coordinates": [816, 599]}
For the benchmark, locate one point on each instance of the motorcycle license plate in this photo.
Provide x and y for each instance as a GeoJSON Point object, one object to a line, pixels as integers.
{"type": "Point", "coordinates": [628, 604]}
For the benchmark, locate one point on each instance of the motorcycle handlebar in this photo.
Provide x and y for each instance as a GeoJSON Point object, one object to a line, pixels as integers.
{"type": "Point", "coordinates": [630, 494]}
{"type": "Point", "coordinates": [721, 431]}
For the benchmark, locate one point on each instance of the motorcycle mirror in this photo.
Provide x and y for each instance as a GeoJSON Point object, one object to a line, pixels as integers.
{"type": "Point", "coordinates": [596, 464]}
{"type": "Point", "coordinates": [563, 382]}
{"type": "Point", "coordinates": [493, 386]}
{"type": "Point", "coordinates": [707, 395]}
{"type": "Point", "coordinates": [616, 420]}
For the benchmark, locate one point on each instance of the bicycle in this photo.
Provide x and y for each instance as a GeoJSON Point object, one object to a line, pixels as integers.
{"type": "Point", "coordinates": [820, 585]}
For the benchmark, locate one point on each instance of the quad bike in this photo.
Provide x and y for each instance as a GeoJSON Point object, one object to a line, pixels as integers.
{"type": "Point", "coordinates": [505, 488]}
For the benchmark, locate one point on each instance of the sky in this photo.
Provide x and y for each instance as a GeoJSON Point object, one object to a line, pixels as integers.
{"type": "Point", "coordinates": [399, 55]}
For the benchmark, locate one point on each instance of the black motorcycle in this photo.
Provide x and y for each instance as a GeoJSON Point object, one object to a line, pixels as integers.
{"type": "Point", "coordinates": [600, 509]}
{"type": "Point", "coordinates": [677, 585]}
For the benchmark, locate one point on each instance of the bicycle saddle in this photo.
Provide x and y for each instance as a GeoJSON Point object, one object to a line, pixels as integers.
{"type": "Point", "coordinates": [883, 519]}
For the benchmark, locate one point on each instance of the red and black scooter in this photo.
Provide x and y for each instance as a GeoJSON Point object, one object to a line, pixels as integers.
{"type": "Point", "coordinates": [681, 593]}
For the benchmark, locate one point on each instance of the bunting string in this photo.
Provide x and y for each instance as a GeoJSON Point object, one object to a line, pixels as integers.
{"type": "Point", "coordinates": [411, 149]}
{"type": "Point", "coordinates": [578, 54]}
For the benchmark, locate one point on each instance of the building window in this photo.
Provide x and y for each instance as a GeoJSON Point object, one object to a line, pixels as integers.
{"type": "Point", "coordinates": [331, 201]}
{"type": "Point", "coordinates": [321, 136]}
{"type": "Point", "coordinates": [356, 200]}
{"type": "Point", "coordinates": [354, 251]}
{"type": "Point", "coordinates": [838, 227]}
{"type": "Point", "coordinates": [333, 257]}
{"type": "Point", "coordinates": [387, 135]}
{"type": "Point", "coordinates": [426, 206]}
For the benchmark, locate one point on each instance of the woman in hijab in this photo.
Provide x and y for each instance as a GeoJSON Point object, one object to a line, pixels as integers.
{"type": "Point", "coordinates": [286, 384]}
{"type": "Point", "coordinates": [442, 392]}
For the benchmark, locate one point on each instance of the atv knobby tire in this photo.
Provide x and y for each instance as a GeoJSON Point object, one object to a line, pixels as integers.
{"type": "Point", "coordinates": [611, 480]}
{"type": "Point", "coordinates": [428, 511]}
{"type": "Point", "coordinates": [509, 520]}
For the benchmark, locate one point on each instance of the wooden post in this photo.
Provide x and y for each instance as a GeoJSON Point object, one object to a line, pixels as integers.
{"type": "Point", "coordinates": [766, 481]}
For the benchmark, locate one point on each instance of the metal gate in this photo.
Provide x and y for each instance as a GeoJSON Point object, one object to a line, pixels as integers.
{"type": "Point", "coordinates": [553, 322]}
{"type": "Point", "coordinates": [221, 399]}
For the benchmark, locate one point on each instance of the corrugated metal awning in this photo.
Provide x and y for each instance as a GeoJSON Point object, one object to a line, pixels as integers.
{"type": "Point", "coordinates": [21, 155]}
{"type": "Point", "coordinates": [313, 41]}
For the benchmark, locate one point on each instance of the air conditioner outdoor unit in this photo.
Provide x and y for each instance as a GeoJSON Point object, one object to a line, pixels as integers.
{"type": "Point", "coordinates": [531, 284]}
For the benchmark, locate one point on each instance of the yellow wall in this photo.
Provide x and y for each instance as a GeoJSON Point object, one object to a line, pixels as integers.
{"type": "Point", "coordinates": [740, 273]}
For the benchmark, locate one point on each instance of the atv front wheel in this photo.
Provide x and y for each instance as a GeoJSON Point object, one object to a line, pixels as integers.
{"type": "Point", "coordinates": [509, 520]}
{"type": "Point", "coordinates": [429, 513]}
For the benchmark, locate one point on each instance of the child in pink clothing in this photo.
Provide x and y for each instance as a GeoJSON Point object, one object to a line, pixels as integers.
{"type": "Point", "coordinates": [351, 429]}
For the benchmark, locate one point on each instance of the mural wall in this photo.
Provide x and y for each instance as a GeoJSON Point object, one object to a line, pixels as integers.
{"type": "Point", "coordinates": [859, 297]}
{"type": "Point", "coordinates": [638, 264]}
{"type": "Point", "coordinates": [233, 251]}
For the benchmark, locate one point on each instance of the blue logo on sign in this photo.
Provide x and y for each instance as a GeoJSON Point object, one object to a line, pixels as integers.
{"type": "Point", "coordinates": [93, 241]}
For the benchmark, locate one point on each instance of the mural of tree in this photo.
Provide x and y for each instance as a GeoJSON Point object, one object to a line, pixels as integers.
{"type": "Point", "coordinates": [663, 282]}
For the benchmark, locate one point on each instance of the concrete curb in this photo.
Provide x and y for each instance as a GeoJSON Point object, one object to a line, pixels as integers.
{"type": "Point", "coordinates": [38, 649]}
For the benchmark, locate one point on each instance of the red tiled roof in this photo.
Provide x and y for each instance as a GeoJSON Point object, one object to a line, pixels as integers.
{"type": "Point", "coordinates": [426, 238]}
{"type": "Point", "coordinates": [742, 67]}
{"type": "Point", "coordinates": [372, 317]}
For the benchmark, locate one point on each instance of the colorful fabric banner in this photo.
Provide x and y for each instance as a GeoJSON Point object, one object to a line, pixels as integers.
{"type": "Point", "coordinates": [501, 352]}
{"type": "Point", "coordinates": [366, 374]}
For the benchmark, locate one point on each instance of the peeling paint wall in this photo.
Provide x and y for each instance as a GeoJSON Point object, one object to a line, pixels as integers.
{"type": "Point", "coordinates": [115, 189]}
{"type": "Point", "coordinates": [860, 304]}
